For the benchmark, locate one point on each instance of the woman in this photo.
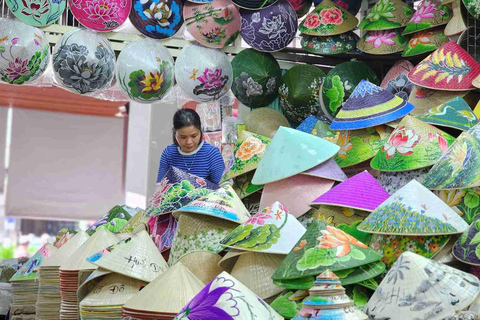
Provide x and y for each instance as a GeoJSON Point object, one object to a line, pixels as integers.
{"type": "Point", "coordinates": [189, 152]}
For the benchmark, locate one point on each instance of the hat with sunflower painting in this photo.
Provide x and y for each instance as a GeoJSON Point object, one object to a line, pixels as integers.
{"type": "Point", "coordinates": [425, 41]}
{"type": "Point", "coordinates": [429, 14]}
{"type": "Point", "coordinates": [386, 15]}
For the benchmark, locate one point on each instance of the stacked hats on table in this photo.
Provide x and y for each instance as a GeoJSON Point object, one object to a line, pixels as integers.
{"type": "Point", "coordinates": [25, 284]}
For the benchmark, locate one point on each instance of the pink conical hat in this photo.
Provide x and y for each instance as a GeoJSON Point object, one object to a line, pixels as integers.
{"type": "Point", "coordinates": [327, 170]}
{"type": "Point", "coordinates": [361, 191]}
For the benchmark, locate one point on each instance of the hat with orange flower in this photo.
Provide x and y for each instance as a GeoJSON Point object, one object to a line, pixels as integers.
{"type": "Point", "coordinates": [425, 41]}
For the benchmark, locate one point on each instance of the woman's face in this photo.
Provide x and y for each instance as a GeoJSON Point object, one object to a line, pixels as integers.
{"type": "Point", "coordinates": [188, 138]}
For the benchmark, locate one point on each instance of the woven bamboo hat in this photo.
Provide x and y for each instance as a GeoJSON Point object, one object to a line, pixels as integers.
{"type": "Point", "coordinates": [429, 14]}
{"type": "Point", "coordinates": [65, 251]}
{"type": "Point", "coordinates": [203, 264]}
{"type": "Point", "coordinates": [265, 121]}
{"type": "Point", "coordinates": [387, 14]}
{"type": "Point", "coordinates": [382, 42]}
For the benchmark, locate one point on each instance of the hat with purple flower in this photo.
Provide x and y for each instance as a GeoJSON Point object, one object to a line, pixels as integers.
{"type": "Point", "coordinates": [429, 14]}
{"type": "Point", "coordinates": [100, 15]}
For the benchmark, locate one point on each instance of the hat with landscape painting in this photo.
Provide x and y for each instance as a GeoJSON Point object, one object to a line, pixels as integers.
{"type": "Point", "coordinates": [387, 14]}
{"type": "Point", "coordinates": [425, 99]}
{"type": "Point", "coordinates": [30, 269]}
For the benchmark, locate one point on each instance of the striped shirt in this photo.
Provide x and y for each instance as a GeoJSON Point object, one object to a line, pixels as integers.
{"type": "Point", "coordinates": [205, 162]}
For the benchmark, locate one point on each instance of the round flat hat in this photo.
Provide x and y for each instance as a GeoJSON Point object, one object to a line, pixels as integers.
{"type": "Point", "coordinates": [330, 45]}
{"type": "Point", "coordinates": [100, 15]}
{"type": "Point", "coordinates": [157, 19]}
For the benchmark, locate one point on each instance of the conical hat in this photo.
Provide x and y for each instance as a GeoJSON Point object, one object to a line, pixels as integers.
{"type": "Point", "coordinates": [472, 8]}
{"type": "Point", "coordinates": [340, 216]}
{"type": "Point", "coordinates": [283, 157]}
{"type": "Point", "coordinates": [158, 296]}
{"type": "Point", "coordinates": [448, 68]}
{"type": "Point", "coordinates": [349, 313]}
{"type": "Point", "coordinates": [413, 211]}
{"type": "Point", "coordinates": [247, 154]}
{"type": "Point", "coordinates": [228, 261]}
{"type": "Point", "coordinates": [328, 19]}
{"type": "Point", "coordinates": [428, 289]}
{"type": "Point", "coordinates": [425, 41]}
{"type": "Point", "coordinates": [414, 144]}
{"type": "Point", "coordinates": [137, 223]}
{"type": "Point", "coordinates": [465, 248]}
{"type": "Point", "coordinates": [396, 80]}
{"type": "Point", "coordinates": [369, 106]}
{"type": "Point", "coordinates": [324, 247]}
{"type": "Point", "coordinates": [113, 290]}
{"type": "Point", "coordinates": [327, 275]}
{"type": "Point", "coordinates": [455, 113]}
{"type": "Point", "coordinates": [424, 99]}
{"type": "Point", "coordinates": [457, 25]}
{"type": "Point", "coordinates": [92, 280]}
{"type": "Point", "coordinates": [138, 258]}
{"type": "Point", "coordinates": [243, 185]}
{"type": "Point", "coordinates": [381, 42]}
{"type": "Point", "coordinates": [203, 264]}
{"type": "Point", "coordinates": [301, 7]}
{"type": "Point", "coordinates": [113, 220]}
{"type": "Point", "coordinates": [164, 199]}
{"type": "Point", "coordinates": [392, 181]}
{"type": "Point", "coordinates": [362, 273]}
{"type": "Point", "coordinates": [327, 170]}
{"type": "Point", "coordinates": [210, 300]}
{"type": "Point", "coordinates": [387, 14]}
{"type": "Point", "coordinates": [65, 251]}
{"type": "Point", "coordinates": [272, 230]}
{"type": "Point", "coordinates": [265, 121]}
{"type": "Point", "coordinates": [29, 270]}
{"type": "Point", "coordinates": [429, 14]}
{"type": "Point", "coordinates": [361, 192]}
{"type": "Point", "coordinates": [98, 241]}
{"type": "Point", "coordinates": [330, 45]}
{"type": "Point", "coordinates": [222, 203]}
{"type": "Point", "coordinates": [296, 192]}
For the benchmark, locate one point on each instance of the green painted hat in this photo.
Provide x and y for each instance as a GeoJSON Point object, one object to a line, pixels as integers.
{"type": "Point", "coordinates": [425, 99]}
{"type": "Point", "coordinates": [455, 113]}
{"type": "Point", "coordinates": [413, 144]}
{"type": "Point", "coordinates": [382, 42]}
{"type": "Point", "coordinates": [330, 45]}
{"type": "Point", "coordinates": [320, 249]}
{"type": "Point", "coordinates": [465, 202]}
{"type": "Point", "coordinates": [473, 8]}
{"type": "Point", "coordinates": [429, 14]}
{"type": "Point", "coordinates": [298, 92]}
{"type": "Point", "coordinates": [387, 14]}
{"type": "Point", "coordinates": [256, 77]}
{"type": "Point", "coordinates": [340, 83]}
{"type": "Point", "coordinates": [243, 185]}
{"type": "Point", "coordinates": [467, 248]}
{"type": "Point", "coordinates": [425, 41]}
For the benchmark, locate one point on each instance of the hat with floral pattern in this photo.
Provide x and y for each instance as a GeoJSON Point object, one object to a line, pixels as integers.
{"type": "Point", "coordinates": [100, 15]}
{"type": "Point", "coordinates": [301, 7]}
{"type": "Point", "coordinates": [330, 45]}
{"type": "Point", "coordinates": [413, 144]}
{"type": "Point", "coordinates": [425, 41]}
{"type": "Point", "coordinates": [157, 19]}
{"type": "Point", "coordinates": [472, 7]}
{"type": "Point", "coordinates": [387, 14]}
{"type": "Point", "coordinates": [256, 78]}
{"type": "Point", "coordinates": [328, 19]}
{"type": "Point", "coordinates": [429, 14]}
{"type": "Point", "coordinates": [37, 13]}
{"type": "Point", "coordinates": [466, 248]}
{"type": "Point", "coordinates": [254, 4]}
{"type": "Point", "coordinates": [396, 80]}
{"type": "Point", "coordinates": [113, 220]}
{"type": "Point", "coordinates": [243, 185]}
{"type": "Point", "coordinates": [382, 42]}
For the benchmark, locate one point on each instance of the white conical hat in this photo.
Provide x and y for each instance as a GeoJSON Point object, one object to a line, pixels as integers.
{"type": "Point", "coordinates": [65, 251]}
{"type": "Point", "coordinates": [90, 282]}
{"type": "Point", "coordinates": [203, 264]}
{"type": "Point", "coordinates": [98, 241]}
{"type": "Point", "coordinates": [138, 258]}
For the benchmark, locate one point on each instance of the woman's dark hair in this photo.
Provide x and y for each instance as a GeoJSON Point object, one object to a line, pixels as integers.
{"type": "Point", "coordinates": [185, 118]}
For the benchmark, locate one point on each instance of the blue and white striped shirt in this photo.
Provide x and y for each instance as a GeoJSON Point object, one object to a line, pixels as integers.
{"type": "Point", "coordinates": [205, 162]}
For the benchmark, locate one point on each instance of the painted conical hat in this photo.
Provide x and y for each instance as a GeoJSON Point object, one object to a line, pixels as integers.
{"type": "Point", "coordinates": [283, 159]}
{"type": "Point", "coordinates": [381, 42]}
{"type": "Point", "coordinates": [265, 121]}
{"type": "Point", "coordinates": [296, 192]}
{"type": "Point", "coordinates": [29, 270]}
{"type": "Point", "coordinates": [448, 68]}
{"type": "Point", "coordinates": [124, 259]}
{"type": "Point", "coordinates": [396, 80]}
{"type": "Point", "coordinates": [409, 144]}
{"type": "Point", "coordinates": [455, 113]}
{"type": "Point", "coordinates": [113, 220]}
{"type": "Point", "coordinates": [247, 154]}
{"type": "Point", "coordinates": [467, 247]}
{"type": "Point", "coordinates": [350, 313]}
{"type": "Point", "coordinates": [137, 223]}
{"type": "Point", "coordinates": [361, 191]}
{"type": "Point", "coordinates": [472, 7]}
{"type": "Point", "coordinates": [430, 290]}
{"type": "Point", "coordinates": [98, 241]}
{"type": "Point", "coordinates": [243, 185]}
{"type": "Point", "coordinates": [226, 288]}
{"type": "Point", "coordinates": [327, 170]}
{"type": "Point", "coordinates": [158, 296]}
{"type": "Point", "coordinates": [425, 41]}
{"type": "Point", "coordinates": [203, 264]}
{"type": "Point", "coordinates": [274, 222]}
{"type": "Point", "coordinates": [328, 19]}
{"type": "Point", "coordinates": [323, 247]}
{"type": "Point", "coordinates": [65, 251]}
{"type": "Point", "coordinates": [86, 286]}
{"type": "Point", "coordinates": [222, 203]}
{"type": "Point", "coordinates": [387, 14]}
{"type": "Point", "coordinates": [369, 106]}
{"type": "Point", "coordinates": [413, 211]}
{"type": "Point", "coordinates": [424, 99]}
{"type": "Point", "coordinates": [331, 44]}
{"type": "Point", "coordinates": [429, 14]}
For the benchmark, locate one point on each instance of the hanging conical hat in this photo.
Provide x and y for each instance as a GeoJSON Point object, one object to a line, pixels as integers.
{"type": "Point", "coordinates": [243, 185]}
{"type": "Point", "coordinates": [429, 14]}
{"type": "Point", "coordinates": [330, 45]}
{"type": "Point", "coordinates": [467, 247]}
{"type": "Point", "coordinates": [158, 296]}
{"type": "Point", "coordinates": [164, 200]}
{"type": "Point", "coordinates": [424, 99]}
{"type": "Point", "coordinates": [247, 154]}
{"type": "Point", "coordinates": [138, 258]}
{"type": "Point", "coordinates": [203, 264]}
{"type": "Point", "coordinates": [324, 247]}
{"type": "Point", "coordinates": [65, 251]}
{"type": "Point", "coordinates": [428, 289]}
{"type": "Point", "coordinates": [361, 191]}
{"type": "Point", "coordinates": [210, 301]}
{"type": "Point", "coordinates": [328, 19]}
{"type": "Point", "coordinates": [283, 157]}
{"type": "Point", "coordinates": [296, 192]}
{"type": "Point", "coordinates": [425, 41]}
{"type": "Point", "coordinates": [387, 14]}
{"type": "Point", "coordinates": [265, 121]}
{"type": "Point", "coordinates": [29, 270]}
{"type": "Point", "coordinates": [414, 144]}
{"type": "Point", "coordinates": [327, 170]}
{"type": "Point", "coordinates": [448, 68]}
{"type": "Point", "coordinates": [222, 203]}
{"type": "Point", "coordinates": [98, 241]}
{"type": "Point", "coordinates": [369, 106]}
{"type": "Point", "coordinates": [272, 230]}
{"type": "Point", "coordinates": [455, 113]}
{"type": "Point", "coordinates": [413, 211]}
{"type": "Point", "coordinates": [381, 42]}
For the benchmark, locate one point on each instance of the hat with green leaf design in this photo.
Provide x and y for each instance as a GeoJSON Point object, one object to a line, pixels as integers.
{"type": "Point", "coordinates": [467, 248]}
{"type": "Point", "coordinates": [387, 14]}
{"type": "Point", "coordinates": [425, 41]}
{"type": "Point", "coordinates": [429, 14]}
{"type": "Point", "coordinates": [382, 42]}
